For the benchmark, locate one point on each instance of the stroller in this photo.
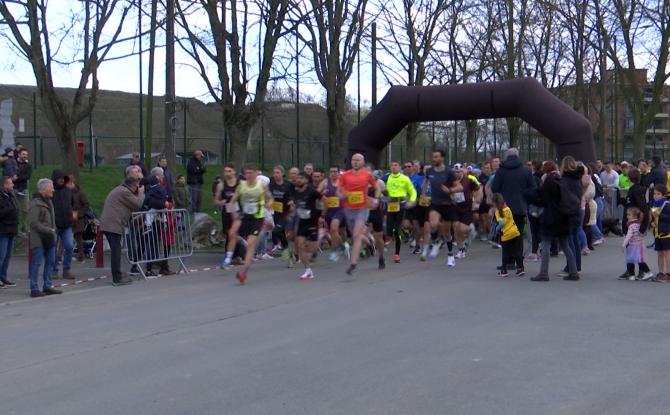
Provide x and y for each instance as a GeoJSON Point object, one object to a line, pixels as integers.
{"type": "Point", "coordinates": [90, 233]}
{"type": "Point", "coordinates": [612, 212]}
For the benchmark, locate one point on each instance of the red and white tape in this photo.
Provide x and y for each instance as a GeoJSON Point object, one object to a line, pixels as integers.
{"type": "Point", "coordinates": [103, 277]}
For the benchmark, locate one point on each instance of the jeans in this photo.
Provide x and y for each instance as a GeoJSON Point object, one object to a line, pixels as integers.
{"type": "Point", "coordinates": [114, 240]}
{"type": "Point", "coordinates": [49, 257]}
{"type": "Point", "coordinates": [6, 245]}
{"type": "Point", "coordinates": [573, 243]}
{"type": "Point", "coordinates": [581, 235]}
{"type": "Point", "coordinates": [565, 246]}
{"type": "Point", "coordinates": [67, 239]}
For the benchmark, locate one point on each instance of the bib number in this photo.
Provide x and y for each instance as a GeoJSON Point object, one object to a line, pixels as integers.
{"type": "Point", "coordinates": [278, 207]}
{"type": "Point", "coordinates": [355, 198]}
{"type": "Point", "coordinates": [333, 202]}
{"type": "Point", "coordinates": [424, 201]}
{"type": "Point", "coordinates": [232, 207]}
{"type": "Point", "coordinates": [250, 208]}
{"type": "Point", "coordinates": [304, 213]}
{"type": "Point", "coordinates": [458, 197]}
{"type": "Point", "coordinates": [393, 207]}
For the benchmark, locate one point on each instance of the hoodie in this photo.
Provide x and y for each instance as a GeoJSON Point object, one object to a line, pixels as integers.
{"type": "Point", "coordinates": [62, 201]}
{"type": "Point", "coordinates": [512, 180]}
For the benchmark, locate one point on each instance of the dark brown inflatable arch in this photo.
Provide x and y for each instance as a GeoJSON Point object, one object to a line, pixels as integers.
{"type": "Point", "coordinates": [524, 98]}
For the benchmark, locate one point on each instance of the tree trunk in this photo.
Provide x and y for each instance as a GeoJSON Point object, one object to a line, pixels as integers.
{"type": "Point", "coordinates": [471, 140]}
{"type": "Point", "coordinates": [410, 141]}
{"type": "Point", "coordinates": [336, 125]}
{"type": "Point", "coordinates": [513, 126]}
{"type": "Point", "coordinates": [66, 142]}
{"type": "Point", "coordinates": [239, 139]}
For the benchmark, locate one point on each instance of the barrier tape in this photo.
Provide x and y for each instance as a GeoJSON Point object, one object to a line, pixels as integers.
{"type": "Point", "coordinates": [103, 277]}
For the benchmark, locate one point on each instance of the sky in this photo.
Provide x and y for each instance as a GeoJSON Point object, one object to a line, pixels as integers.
{"type": "Point", "coordinates": [124, 74]}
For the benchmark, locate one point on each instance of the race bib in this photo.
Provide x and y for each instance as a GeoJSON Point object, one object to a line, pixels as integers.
{"type": "Point", "coordinates": [355, 198]}
{"type": "Point", "coordinates": [232, 207]}
{"type": "Point", "coordinates": [304, 213]}
{"type": "Point", "coordinates": [278, 207]}
{"type": "Point", "coordinates": [424, 201]}
{"type": "Point", "coordinates": [458, 197]}
{"type": "Point", "coordinates": [250, 208]}
{"type": "Point", "coordinates": [393, 207]}
{"type": "Point", "coordinates": [332, 202]}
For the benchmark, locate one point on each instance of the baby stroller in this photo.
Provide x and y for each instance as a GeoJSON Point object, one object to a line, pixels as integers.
{"type": "Point", "coordinates": [90, 232]}
{"type": "Point", "coordinates": [612, 212]}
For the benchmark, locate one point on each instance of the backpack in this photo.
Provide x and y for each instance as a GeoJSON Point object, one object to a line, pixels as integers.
{"type": "Point", "coordinates": [569, 203]}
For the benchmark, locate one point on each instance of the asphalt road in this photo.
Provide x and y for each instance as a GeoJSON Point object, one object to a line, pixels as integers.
{"type": "Point", "coordinates": [417, 338]}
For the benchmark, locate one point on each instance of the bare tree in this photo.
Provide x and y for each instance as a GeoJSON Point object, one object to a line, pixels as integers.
{"type": "Point", "coordinates": [37, 43]}
{"type": "Point", "coordinates": [644, 30]}
{"type": "Point", "coordinates": [334, 28]}
{"type": "Point", "coordinates": [223, 44]}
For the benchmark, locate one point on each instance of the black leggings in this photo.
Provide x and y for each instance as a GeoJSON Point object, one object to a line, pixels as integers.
{"type": "Point", "coordinates": [393, 224]}
{"type": "Point", "coordinates": [630, 267]}
{"type": "Point", "coordinates": [512, 252]}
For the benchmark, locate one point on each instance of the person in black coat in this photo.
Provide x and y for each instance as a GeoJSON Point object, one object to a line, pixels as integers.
{"type": "Point", "coordinates": [155, 199]}
{"type": "Point", "coordinates": [195, 170]}
{"type": "Point", "coordinates": [553, 224]}
{"type": "Point", "coordinates": [63, 202]}
{"type": "Point", "coordinates": [512, 180]}
{"type": "Point", "coordinates": [636, 197]}
{"type": "Point", "coordinates": [9, 226]}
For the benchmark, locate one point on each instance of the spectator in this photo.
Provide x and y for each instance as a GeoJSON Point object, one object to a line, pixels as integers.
{"type": "Point", "coordinates": [572, 174]}
{"type": "Point", "coordinates": [512, 180]}
{"type": "Point", "coordinates": [62, 204]}
{"type": "Point", "coordinates": [9, 219]}
{"type": "Point", "coordinates": [79, 207]}
{"type": "Point", "coordinates": [23, 173]}
{"type": "Point", "coordinates": [119, 204]}
{"type": "Point", "coordinates": [624, 182]}
{"type": "Point", "coordinates": [155, 199]}
{"type": "Point", "coordinates": [137, 161]}
{"type": "Point", "coordinates": [168, 178]}
{"type": "Point", "coordinates": [657, 175]}
{"type": "Point", "coordinates": [180, 195]}
{"type": "Point", "coordinates": [609, 177]}
{"type": "Point", "coordinates": [9, 165]}
{"type": "Point", "coordinates": [533, 221]}
{"type": "Point", "coordinates": [597, 229]}
{"type": "Point", "coordinates": [637, 197]}
{"type": "Point", "coordinates": [42, 222]}
{"type": "Point", "coordinates": [195, 170]}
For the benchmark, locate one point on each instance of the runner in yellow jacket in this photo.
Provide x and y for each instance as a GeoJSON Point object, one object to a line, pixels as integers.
{"type": "Point", "coordinates": [401, 195]}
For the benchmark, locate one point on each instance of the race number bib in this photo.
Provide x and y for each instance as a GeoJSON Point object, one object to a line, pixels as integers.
{"type": "Point", "coordinates": [232, 207]}
{"type": "Point", "coordinates": [333, 202]}
{"type": "Point", "coordinates": [393, 207]}
{"type": "Point", "coordinates": [250, 208]}
{"type": "Point", "coordinates": [458, 197]}
{"type": "Point", "coordinates": [304, 213]}
{"type": "Point", "coordinates": [424, 201]}
{"type": "Point", "coordinates": [355, 198]}
{"type": "Point", "coordinates": [278, 207]}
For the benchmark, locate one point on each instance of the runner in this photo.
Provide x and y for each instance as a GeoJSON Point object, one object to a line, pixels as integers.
{"type": "Point", "coordinates": [375, 235]}
{"type": "Point", "coordinates": [230, 220]}
{"type": "Point", "coordinates": [401, 196]}
{"type": "Point", "coordinates": [334, 212]}
{"type": "Point", "coordinates": [281, 193]}
{"type": "Point", "coordinates": [441, 180]}
{"type": "Point", "coordinates": [353, 188]}
{"type": "Point", "coordinates": [461, 192]}
{"type": "Point", "coordinates": [253, 197]}
{"type": "Point", "coordinates": [304, 202]}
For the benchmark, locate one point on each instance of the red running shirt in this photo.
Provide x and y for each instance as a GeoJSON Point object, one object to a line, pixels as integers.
{"type": "Point", "coordinates": [355, 187]}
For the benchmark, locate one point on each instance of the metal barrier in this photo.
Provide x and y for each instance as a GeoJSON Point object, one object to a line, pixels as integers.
{"type": "Point", "coordinates": [155, 236]}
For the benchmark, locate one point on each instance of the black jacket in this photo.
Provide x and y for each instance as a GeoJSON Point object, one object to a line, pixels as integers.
{"type": "Point", "coordinates": [513, 179]}
{"type": "Point", "coordinates": [23, 173]}
{"type": "Point", "coordinates": [637, 198]}
{"type": "Point", "coordinates": [9, 213]}
{"type": "Point", "coordinates": [194, 171]}
{"type": "Point", "coordinates": [62, 201]}
{"type": "Point", "coordinates": [552, 223]}
{"type": "Point", "coordinates": [656, 176]}
{"type": "Point", "coordinates": [572, 180]}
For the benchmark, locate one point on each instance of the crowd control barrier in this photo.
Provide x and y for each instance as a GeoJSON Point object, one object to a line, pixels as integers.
{"type": "Point", "coordinates": [154, 236]}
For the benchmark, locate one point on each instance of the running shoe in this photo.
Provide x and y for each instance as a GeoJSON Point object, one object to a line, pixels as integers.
{"type": "Point", "coordinates": [626, 276]}
{"type": "Point", "coordinates": [599, 241]}
{"type": "Point", "coordinates": [8, 283]}
{"type": "Point", "coordinates": [586, 251]}
{"type": "Point", "coordinates": [434, 250]}
{"type": "Point", "coordinates": [503, 274]}
{"type": "Point", "coordinates": [308, 275]}
{"type": "Point", "coordinates": [451, 261]}
{"type": "Point", "coordinates": [265, 256]}
{"type": "Point", "coordinates": [416, 251]}
{"type": "Point", "coordinates": [347, 250]}
{"type": "Point", "coordinates": [242, 277]}
{"type": "Point", "coordinates": [225, 263]}
{"type": "Point", "coordinates": [520, 272]}
{"type": "Point", "coordinates": [646, 276]}
{"type": "Point", "coordinates": [334, 256]}
{"type": "Point", "coordinates": [396, 258]}
{"type": "Point", "coordinates": [351, 269]}
{"type": "Point", "coordinates": [460, 254]}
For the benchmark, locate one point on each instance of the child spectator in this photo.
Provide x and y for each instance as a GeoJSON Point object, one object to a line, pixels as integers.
{"type": "Point", "coordinates": [180, 196]}
{"type": "Point", "coordinates": [511, 240]}
{"type": "Point", "coordinates": [633, 246]}
{"type": "Point", "coordinates": [660, 213]}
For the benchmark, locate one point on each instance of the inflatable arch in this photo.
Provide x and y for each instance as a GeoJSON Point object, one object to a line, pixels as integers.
{"type": "Point", "coordinates": [525, 98]}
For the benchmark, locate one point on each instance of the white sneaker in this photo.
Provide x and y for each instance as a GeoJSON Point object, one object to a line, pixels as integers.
{"type": "Point", "coordinates": [632, 278]}
{"type": "Point", "coordinates": [434, 250]}
{"type": "Point", "coordinates": [266, 256]}
{"type": "Point", "coordinates": [308, 275]}
{"type": "Point", "coordinates": [460, 254]}
{"type": "Point", "coordinates": [647, 276]}
{"type": "Point", "coordinates": [599, 241]}
{"type": "Point", "coordinates": [451, 261]}
{"type": "Point", "coordinates": [412, 243]}
{"type": "Point", "coordinates": [334, 256]}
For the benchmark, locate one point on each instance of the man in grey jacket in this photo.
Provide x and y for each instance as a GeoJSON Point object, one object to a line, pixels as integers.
{"type": "Point", "coordinates": [42, 223]}
{"type": "Point", "coordinates": [120, 203]}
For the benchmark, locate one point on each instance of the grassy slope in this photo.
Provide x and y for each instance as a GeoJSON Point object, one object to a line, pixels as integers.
{"type": "Point", "coordinates": [97, 184]}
